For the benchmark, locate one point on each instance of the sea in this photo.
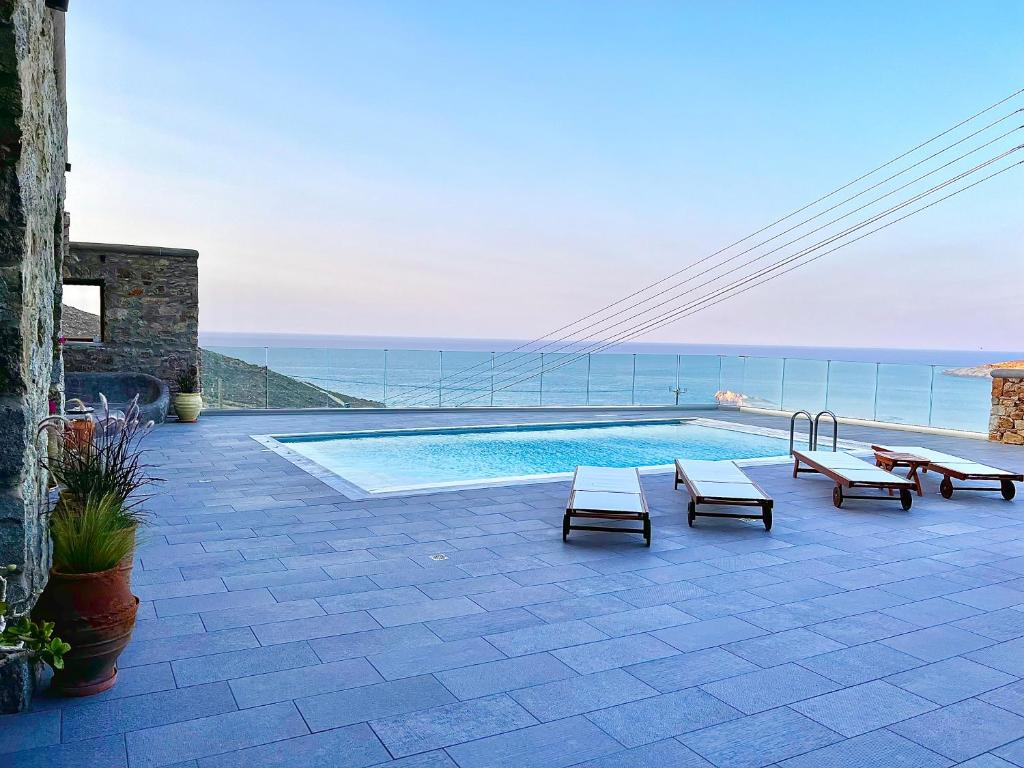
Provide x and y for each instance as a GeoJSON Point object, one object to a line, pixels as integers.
{"type": "Point", "coordinates": [909, 386]}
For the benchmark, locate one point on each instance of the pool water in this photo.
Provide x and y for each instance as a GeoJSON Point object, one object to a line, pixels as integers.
{"type": "Point", "coordinates": [393, 461]}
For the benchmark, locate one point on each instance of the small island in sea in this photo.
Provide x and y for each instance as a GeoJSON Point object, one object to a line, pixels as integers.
{"type": "Point", "coordinates": [983, 371]}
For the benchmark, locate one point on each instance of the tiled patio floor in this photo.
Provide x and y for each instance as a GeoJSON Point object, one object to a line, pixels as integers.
{"type": "Point", "coordinates": [282, 624]}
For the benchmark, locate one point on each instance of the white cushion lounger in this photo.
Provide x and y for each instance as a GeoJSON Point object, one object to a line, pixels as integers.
{"type": "Point", "coordinates": [724, 483]}
{"type": "Point", "coordinates": [607, 493]}
{"type": "Point", "coordinates": [954, 468]}
{"type": "Point", "coordinates": [850, 472]}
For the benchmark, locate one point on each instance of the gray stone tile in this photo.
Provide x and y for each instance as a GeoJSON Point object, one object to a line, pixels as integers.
{"type": "Point", "coordinates": [29, 730]}
{"type": "Point", "coordinates": [419, 660]}
{"type": "Point", "coordinates": [503, 675]}
{"type": "Point", "coordinates": [660, 717]}
{"type": "Point", "coordinates": [937, 643]}
{"type": "Point", "coordinates": [450, 724]}
{"type": "Point", "coordinates": [759, 740]}
{"type": "Point", "coordinates": [414, 613]}
{"type": "Point", "coordinates": [951, 680]}
{"type": "Point", "coordinates": [862, 708]}
{"type": "Point", "coordinates": [168, 744]}
{"type": "Point", "coordinates": [332, 710]}
{"type": "Point", "coordinates": [247, 617]}
{"type": "Point", "coordinates": [689, 669]}
{"type": "Point", "coordinates": [92, 720]}
{"type": "Point", "coordinates": [227, 666]}
{"type": "Point", "coordinates": [642, 620]}
{"type": "Point", "coordinates": [480, 624]}
{"type": "Point", "coordinates": [660, 754]}
{"type": "Point", "coordinates": [189, 646]}
{"type": "Point", "coordinates": [549, 745]}
{"type": "Point", "coordinates": [964, 730]}
{"type": "Point", "coordinates": [617, 652]}
{"type": "Point", "coordinates": [356, 746]}
{"type": "Point", "coordinates": [765, 689]}
{"type": "Point", "coordinates": [861, 663]}
{"type": "Point", "coordinates": [271, 687]}
{"type": "Point", "coordinates": [547, 637]}
{"type": "Point", "coordinates": [783, 647]}
{"type": "Point", "coordinates": [104, 752]}
{"type": "Point", "coordinates": [708, 633]}
{"type": "Point", "coordinates": [375, 640]}
{"type": "Point", "coordinates": [872, 749]}
{"type": "Point", "coordinates": [585, 693]}
{"type": "Point", "coordinates": [314, 627]}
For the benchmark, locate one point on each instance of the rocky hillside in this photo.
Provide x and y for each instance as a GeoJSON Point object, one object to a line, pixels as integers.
{"type": "Point", "coordinates": [983, 371]}
{"type": "Point", "coordinates": [232, 383]}
{"type": "Point", "coordinates": [77, 324]}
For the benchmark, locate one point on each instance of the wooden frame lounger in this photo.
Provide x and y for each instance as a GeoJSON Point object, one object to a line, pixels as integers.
{"type": "Point", "coordinates": [607, 493]}
{"type": "Point", "coordinates": [850, 472]}
{"type": "Point", "coordinates": [723, 483]}
{"type": "Point", "coordinates": [954, 468]}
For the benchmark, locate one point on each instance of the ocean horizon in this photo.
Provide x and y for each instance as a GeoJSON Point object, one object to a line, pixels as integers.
{"type": "Point", "coordinates": [895, 355]}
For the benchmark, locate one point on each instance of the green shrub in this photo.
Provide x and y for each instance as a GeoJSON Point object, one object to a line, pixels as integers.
{"type": "Point", "coordinates": [92, 537]}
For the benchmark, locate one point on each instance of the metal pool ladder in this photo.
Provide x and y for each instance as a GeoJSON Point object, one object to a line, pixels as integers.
{"type": "Point", "coordinates": [835, 429]}
{"type": "Point", "coordinates": [792, 429]}
{"type": "Point", "coordinates": [814, 426]}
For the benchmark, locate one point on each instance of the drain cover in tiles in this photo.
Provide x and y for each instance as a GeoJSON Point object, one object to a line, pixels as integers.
{"type": "Point", "coordinates": [439, 557]}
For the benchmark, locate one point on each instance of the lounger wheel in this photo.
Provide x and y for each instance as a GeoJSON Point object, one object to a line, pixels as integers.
{"type": "Point", "coordinates": [906, 500]}
{"type": "Point", "coordinates": [946, 488]}
{"type": "Point", "coordinates": [837, 496]}
{"type": "Point", "coordinates": [1007, 489]}
{"type": "Point", "coordinates": [691, 513]}
{"type": "Point", "coordinates": [766, 518]}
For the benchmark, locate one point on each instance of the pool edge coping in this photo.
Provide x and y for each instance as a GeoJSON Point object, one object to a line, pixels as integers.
{"type": "Point", "coordinates": [355, 492]}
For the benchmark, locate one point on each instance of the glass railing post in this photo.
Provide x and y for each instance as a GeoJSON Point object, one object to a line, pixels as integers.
{"type": "Point", "coordinates": [721, 364]}
{"type": "Point", "coordinates": [266, 377]}
{"type": "Point", "coordinates": [588, 379]}
{"type": "Point", "coordinates": [632, 394]}
{"type": "Point", "coordinates": [492, 379]}
{"type": "Point", "coordinates": [440, 375]}
{"type": "Point", "coordinates": [679, 366]}
{"type": "Point", "coordinates": [931, 395]}
{"type": "Point", "coordinates": [385, 378]}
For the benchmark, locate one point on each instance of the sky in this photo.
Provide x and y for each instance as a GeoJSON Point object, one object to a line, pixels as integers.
{"type": "Point", "coordinates": [498, 169]}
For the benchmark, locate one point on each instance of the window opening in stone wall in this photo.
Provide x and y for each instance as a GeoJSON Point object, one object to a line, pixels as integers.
{"type": "Point", "coordinates": [82, 312]}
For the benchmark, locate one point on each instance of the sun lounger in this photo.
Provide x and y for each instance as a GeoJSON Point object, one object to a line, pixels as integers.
{"type": "Point", "coordinates": [722, 483]}
{"type": "Point", "coordinates": [607, 493]}
{"type": "Point", "coordinates": [954, 468]}
{"type": "Point", "coordinates": [850, 472]}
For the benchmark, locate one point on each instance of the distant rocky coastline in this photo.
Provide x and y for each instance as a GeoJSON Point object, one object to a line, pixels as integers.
{"type": "Point", "coordinates": [983, 371]}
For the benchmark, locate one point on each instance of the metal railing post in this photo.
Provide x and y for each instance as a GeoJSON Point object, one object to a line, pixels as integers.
{"type": "Point", "coordinates": [540, 398]}
{"type": "Point", "coordinates": [440, 374]}
{"type": "Point", "coordinates": [588, 379]}
{"type": "Point", "coordinates": [782, 386]}
{"type": "Point", "coordinates": [385, 378]}
{"type": "Point", "coordinates": [632, 394]}
{"type": "Point", "coordinates": [492, 379]}
{"type": "Point", "coordinates": [266, 377]}
{"type": "Point", "coordinates": [828, 380]}
{"type": "Point", "coordinates": [874, 410]}
{"type": "Point", "coordinates": [931, 395]}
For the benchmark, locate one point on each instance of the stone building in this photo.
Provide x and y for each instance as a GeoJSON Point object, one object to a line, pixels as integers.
{"type": "Point", "coordinates": [32, 247]}
{"type": "Point", "coordinates": [1006, 424]}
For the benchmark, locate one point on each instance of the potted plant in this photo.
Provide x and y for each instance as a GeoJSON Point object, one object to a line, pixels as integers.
{"type": "Point", "coordinates": [88, 597]}
{"type": "Point", "coordinates": [25, 647]}
{"type": "Point", "coordinates": [93, 527]}
{"type": "Point", "coordinates": [188, 401]}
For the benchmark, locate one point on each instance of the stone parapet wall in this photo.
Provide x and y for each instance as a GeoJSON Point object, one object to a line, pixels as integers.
{"type": "Point", "coordinates": [1006, 424]}
{"type": "Point", "coordinates": [150, 308]}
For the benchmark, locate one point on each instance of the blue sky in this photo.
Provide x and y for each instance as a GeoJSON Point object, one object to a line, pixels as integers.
{"type": "Point", "coordinates": [498, 169]}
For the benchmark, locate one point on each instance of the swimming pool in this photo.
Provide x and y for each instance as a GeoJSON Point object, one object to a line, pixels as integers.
{"type": "Point", "coordinates": [389, 461]}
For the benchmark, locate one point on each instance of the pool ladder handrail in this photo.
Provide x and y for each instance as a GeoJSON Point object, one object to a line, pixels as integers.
{"type": "Point", "coordinates": [835, 429]}
{"type": "Point", "coordinates": [792, 430]}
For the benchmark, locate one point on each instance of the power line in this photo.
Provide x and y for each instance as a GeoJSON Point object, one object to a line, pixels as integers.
{"type": "Point", "coordinates": [412, 396]}
{"type": "Point", "coordinates": [699, 304]}
{"type": "Point", "coordinates": [676, 296]}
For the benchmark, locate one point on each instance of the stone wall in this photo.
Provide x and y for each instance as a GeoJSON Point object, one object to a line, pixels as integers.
{"type": "Point", "coordinates": [32, 162]}
{"type": "Point", "coordinates": [150, 308]}
{"type": "Point", "coordinates": [1006, 423]}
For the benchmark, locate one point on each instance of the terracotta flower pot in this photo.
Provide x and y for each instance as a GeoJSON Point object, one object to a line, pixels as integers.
{"type": "Point", "coordinates": [188, 405]}
{"type": "Point", "coordinates": [95, 614]}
